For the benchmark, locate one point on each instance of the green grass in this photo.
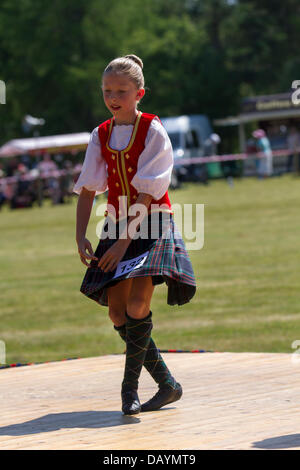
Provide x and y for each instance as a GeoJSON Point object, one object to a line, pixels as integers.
{"type": "Point", "coordinates": [247, 275]}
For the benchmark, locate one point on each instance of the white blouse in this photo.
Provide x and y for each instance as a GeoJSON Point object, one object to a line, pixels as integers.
{"type": "Point", "coordinates": [154, 167]}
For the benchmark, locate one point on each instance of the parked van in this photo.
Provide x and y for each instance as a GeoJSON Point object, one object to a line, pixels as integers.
{"type": "Point", "coordinates": [190, 136]}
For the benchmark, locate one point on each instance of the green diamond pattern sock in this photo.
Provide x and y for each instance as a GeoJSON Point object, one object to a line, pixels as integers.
{"type": "Point", "coordinates": [153, 362]}
{"type": "Point", "coordinates": [138, 333]}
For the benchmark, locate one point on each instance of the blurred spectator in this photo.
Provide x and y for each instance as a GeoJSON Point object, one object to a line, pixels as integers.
{"type": "Point", "coordinates": [11, 166]}
{"type": "Point", "coordinates": [293, 143]}
{"type": "Point", "coordinates": [251, 145]}
{"type": "Point", "coordinates": [67, 182]}
{"type": "Point", "coordinates": [215, 169]}
{"type": "Point", "coordinates": [215, 140]}
{"type": "Point", "coordinates": [47, 165]}
{"type": "Point", "coordinates": [77, 170]}
{"type": "Point", "coordinates": [59, 159]}
{"type": "Point", "coordinates": [24, 195]}
{"type": "Point", "coordinates": [20, 181]}
{"type": "Point", "coordinates": [27, 161]}
{"type": "Point", "coordinates": [264, 164]}
{"type": "Point", "coordinates": [2, 187]}
{"type": "Point", "coordinates": [2, 172]}
{"type": "Point", "coordinates": [2, 197]}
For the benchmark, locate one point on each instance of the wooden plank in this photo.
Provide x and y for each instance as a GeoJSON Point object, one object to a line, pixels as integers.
{"type": "Point", "coordinates": [230, 401]}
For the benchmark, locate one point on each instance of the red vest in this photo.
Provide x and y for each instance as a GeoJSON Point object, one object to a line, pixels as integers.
{"type": "Point", "coordinates": [122, 166]}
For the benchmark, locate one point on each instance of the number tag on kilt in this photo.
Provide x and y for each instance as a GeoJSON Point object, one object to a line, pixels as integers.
{"type": "Point", "coordinates": [125, 267]}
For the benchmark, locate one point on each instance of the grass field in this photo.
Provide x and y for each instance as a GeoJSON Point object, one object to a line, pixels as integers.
{"type": "Point", "coordinates": [247, 274]}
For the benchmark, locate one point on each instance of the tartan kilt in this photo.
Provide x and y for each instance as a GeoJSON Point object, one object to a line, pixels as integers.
{"type": "Point", "coordinates": [167, 261]}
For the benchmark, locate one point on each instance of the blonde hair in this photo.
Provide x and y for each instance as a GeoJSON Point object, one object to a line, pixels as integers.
{"type": "Point", "coordinates": [130, 65]}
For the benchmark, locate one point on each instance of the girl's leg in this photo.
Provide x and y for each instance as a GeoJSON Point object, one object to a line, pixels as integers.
{"type": "Point", "coordinates": [138, 305]}
{"type": "Point", "coordinates": [153, 362]}
{"type": "Point", "coordinates": [134, 330]}
{"type": "Point", "coordinates": [139, 300]}
{"type": "Point", "coordinates": [143, 350]}
{"type": "Point", "coordinates": [138, 333]}
{"type": "Point", "coordinates": [117, 302]}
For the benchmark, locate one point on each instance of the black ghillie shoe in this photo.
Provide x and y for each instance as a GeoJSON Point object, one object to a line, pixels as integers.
{"type": "Point", "coordinates": [163, 397]}
{"type": "Point", "coordinates": [130, 403]}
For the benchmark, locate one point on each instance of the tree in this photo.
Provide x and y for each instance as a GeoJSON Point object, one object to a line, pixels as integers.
{"type": "Point", "coordinates": [200, 56]}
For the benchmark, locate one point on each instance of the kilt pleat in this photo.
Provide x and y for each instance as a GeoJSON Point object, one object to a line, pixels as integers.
{"type": "Point", "coordinates": [167, 262]}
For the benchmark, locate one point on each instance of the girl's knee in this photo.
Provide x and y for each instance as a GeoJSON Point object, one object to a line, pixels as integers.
{"type": "Point", "coordinates": [137, 308]}
{"type": "Point", "coordinates": [117, 316]}
{"type": "Point", "coordinates": [138, 303]}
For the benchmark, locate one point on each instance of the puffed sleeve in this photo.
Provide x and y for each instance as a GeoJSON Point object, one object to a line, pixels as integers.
{"type": "Point", "coordinates": [93, 174]}
{"type": "Point", "coordinates": [155, 163]}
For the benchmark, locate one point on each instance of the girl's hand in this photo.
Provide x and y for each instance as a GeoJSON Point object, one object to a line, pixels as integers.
{"type": "Point", "coordinates": [84, 245]}
{"type": "Point", "coordinates": [113, 256]}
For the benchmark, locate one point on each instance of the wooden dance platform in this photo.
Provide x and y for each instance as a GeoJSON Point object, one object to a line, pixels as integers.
{"type": "Point", "coordinates": [230, 401]}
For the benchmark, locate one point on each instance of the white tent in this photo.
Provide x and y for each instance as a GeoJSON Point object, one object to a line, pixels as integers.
{"type": "Point", "coordinates": [48, 144]}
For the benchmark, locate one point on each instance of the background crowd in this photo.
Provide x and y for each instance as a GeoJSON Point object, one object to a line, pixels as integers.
{"type": "Point", "coordinates": [26, 180]}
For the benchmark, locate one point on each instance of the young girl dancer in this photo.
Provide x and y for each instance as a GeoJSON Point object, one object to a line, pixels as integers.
{"type": "Point", "coordinates": [131, 156]}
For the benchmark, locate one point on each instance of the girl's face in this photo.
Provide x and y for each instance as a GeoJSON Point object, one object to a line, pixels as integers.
{"type": "Point", "coordinates": [121, 96]}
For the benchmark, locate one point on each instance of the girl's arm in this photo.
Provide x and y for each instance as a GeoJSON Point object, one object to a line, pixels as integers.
{"type": "Point", "coordinates": [84, 208]}
{"type": "Point", "coordinates": [113, 255]}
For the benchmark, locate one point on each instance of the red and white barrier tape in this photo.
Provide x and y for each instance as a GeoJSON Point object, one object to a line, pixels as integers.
{"type": "Point", "coordinates": [32, 176]}
{"type": "Point", "coordinates": [234, 156]}
{"type": "Point", "coordinates": [182, 161]}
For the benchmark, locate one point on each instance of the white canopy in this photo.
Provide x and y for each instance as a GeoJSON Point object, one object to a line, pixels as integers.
{"type": "Point", "coordinates": [49, 144]}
